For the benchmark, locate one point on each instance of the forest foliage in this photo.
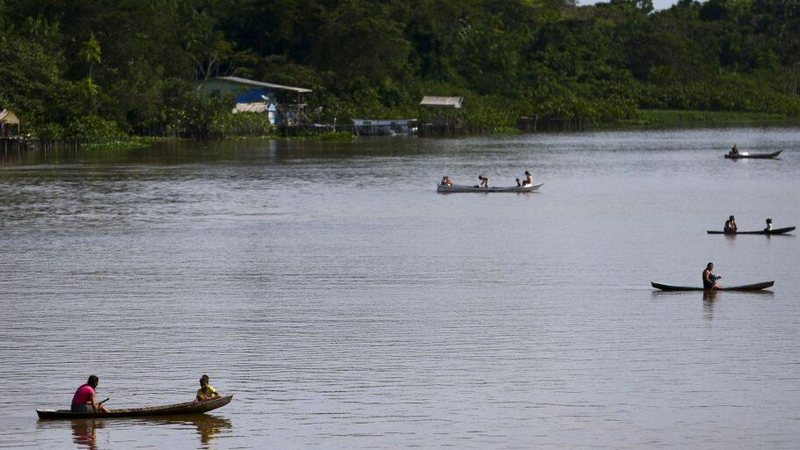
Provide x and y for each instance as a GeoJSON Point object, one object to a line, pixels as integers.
{"type": "Point", "coordinates": [81, 67]}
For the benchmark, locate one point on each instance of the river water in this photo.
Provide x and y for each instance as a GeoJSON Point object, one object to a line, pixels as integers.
{"type": "Point", "coordinates": [346, 304]}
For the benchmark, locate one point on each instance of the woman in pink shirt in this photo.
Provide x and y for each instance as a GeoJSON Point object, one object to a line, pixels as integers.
{"type": "Point", "coordinates": [84, 401]}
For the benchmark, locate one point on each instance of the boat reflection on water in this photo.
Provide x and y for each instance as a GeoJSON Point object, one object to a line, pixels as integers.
{"type": "Point", "coordinates": [711, 296]}
{"type": "Point", "coordinates": [708, 303]}
{"type": "Point", "coordinates": [207, 425]}
{"type": "Point", "coordinates": [84, 432]}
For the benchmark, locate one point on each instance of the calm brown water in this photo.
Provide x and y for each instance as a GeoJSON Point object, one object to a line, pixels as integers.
{"type": "Point", "coordinates": [347, 305]}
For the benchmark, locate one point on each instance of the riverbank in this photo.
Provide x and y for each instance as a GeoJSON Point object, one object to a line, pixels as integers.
{"type": "Point", "coordinates": [658, 119]}
{"type": "Point", "coordinates": [680, 118]}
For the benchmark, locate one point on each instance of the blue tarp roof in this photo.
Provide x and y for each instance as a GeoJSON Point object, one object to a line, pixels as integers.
{"type": "Point", "coordinates": [255, 95]}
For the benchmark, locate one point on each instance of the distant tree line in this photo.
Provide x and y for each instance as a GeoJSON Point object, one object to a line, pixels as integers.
{"type": "Point", "coordinates": [133, 66]}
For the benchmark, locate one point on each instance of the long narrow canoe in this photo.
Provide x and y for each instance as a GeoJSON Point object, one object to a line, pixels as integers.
{"type": "Point", "coordinates": [746, 287]}
{"type": "Point", "coordinates": [480, 190]}
{"type": "Point", "coordinates": [167, 410]}
{"type": "Point", "coordinates": [744, 155]}
{"type": "Point", "coordinates": [770, 232]}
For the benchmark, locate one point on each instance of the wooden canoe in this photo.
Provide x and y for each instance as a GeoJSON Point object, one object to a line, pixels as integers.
{"type": "Point", "coordinates": [746, 287]}
{"type": "Point", "coordinates": [166, 410]}
{"type": "Point", "coordinates": [744, 155]}
{"type": "Point", "coordinates": [481, 190]}
{"type": "Point", "coordinates": [769, 232]}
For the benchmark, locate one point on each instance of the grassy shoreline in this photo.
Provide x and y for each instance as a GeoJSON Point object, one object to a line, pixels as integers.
{"type": "Point", "coordinates": [656, 119]}
{"type": "Point", "coordinates": [678, 118]}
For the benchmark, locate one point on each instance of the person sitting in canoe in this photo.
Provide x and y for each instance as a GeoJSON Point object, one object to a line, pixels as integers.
{"type": "Point", "coordinates": [206, 391]}
{"type": "Point", "coordinates": [734, 150]}
{"type": "Point", "coordinates": [446, 181]}
{"type": "Point", "coordinates": [769, 225]}
{"type": "Point", "coordinates": [84, 400]}
{"type": "Point", "coordinates": [730, 225]}
{"type": "Point", "coordinates": [709, 278]}
{"type": "Point", "coordinates": [528, 181]}
{"type": "Point", "coordinates": [484, 181]}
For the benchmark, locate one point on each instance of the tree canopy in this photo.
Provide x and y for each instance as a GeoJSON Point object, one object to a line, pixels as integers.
{"type": "Point", "coordinates": [137, 63]}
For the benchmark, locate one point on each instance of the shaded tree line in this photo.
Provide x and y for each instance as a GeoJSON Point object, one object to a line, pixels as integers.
{"type": "Point", "coordinates": [133, 66]}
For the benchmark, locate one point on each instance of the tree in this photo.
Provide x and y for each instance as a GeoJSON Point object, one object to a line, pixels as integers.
{"type": "Point", "coordinates": [90, 53]}
{"type": "Point", "coordinates": [363, 40]}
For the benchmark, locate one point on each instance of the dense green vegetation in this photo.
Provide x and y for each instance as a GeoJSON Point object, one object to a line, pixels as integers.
{"type": "Point", "coordinates": [99, 68]}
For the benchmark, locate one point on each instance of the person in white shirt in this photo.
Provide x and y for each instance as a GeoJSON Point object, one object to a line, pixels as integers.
{"type": "Point", "coordinates": [528, 180]}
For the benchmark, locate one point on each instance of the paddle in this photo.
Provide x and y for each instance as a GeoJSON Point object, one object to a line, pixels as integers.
{"type": "Point", "coordinates": [107, 399]}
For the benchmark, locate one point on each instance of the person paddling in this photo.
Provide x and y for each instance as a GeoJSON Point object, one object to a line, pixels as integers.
{"type": "Point", "coordinates": [206, 391]}
{"type": "Point", "coordinates": [769, 225]}
{"type": "Point", "coordinates": [84, 399]}
{"type": "Point", "coordinates": [528, 181]}
{"type": "Point", "coordinates": [730, 225]}
{"type": "Point", "coordinates": [709, 278]}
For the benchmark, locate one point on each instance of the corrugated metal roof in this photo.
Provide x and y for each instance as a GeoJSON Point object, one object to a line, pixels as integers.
{"type": "Point", "coordinates": [257, 107]}
{"type": "Point", "coordinates": [7, 116]}
{"type": "Point", "coordinates": [381, 123]}
{"type": "Point", "coordinates": [453, 102]}
{"type": "Point", "coordinates": [247, 82]}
